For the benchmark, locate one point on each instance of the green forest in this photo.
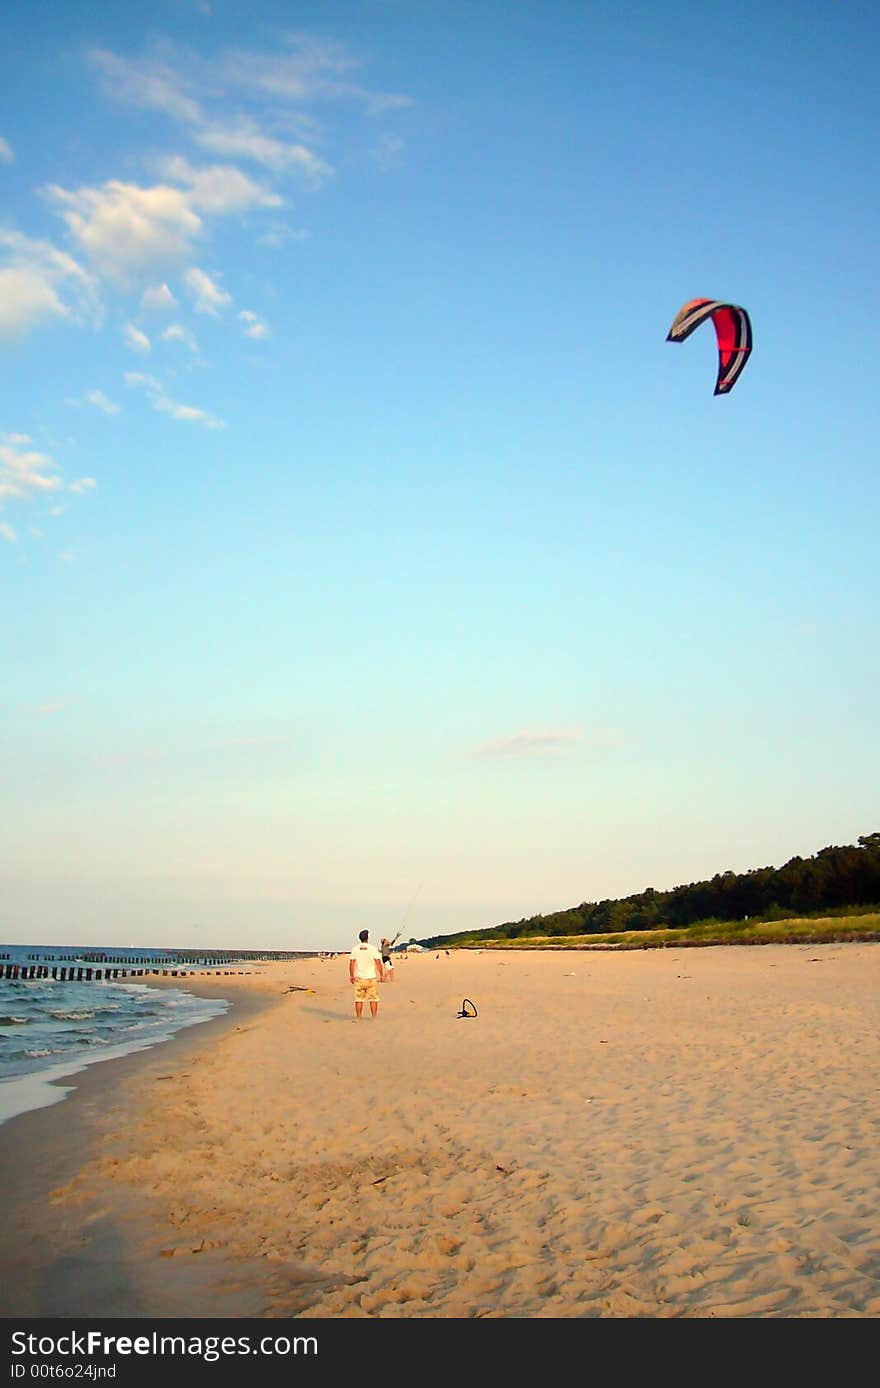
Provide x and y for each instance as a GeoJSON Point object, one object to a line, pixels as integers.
{"type": "Point", "coordinates": [835, 881]}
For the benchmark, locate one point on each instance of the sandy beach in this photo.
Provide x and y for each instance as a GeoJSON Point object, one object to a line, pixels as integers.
{"type": "Point", "coordinates": [674, 1132]}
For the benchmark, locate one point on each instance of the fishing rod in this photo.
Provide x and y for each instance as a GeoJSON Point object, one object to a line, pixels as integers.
{"type": "Point", "coordinates": [407, 911]}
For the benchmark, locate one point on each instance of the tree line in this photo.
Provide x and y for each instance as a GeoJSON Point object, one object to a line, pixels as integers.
{"type": "Point", "coordinates": [836, 879]}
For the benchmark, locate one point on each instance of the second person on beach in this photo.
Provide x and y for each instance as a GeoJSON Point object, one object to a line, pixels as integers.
{"type": "Point", "coordinates": [386, 947]}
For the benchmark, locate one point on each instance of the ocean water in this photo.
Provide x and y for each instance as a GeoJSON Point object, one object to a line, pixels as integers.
{"type": "Point", "coordinates": [52, 1029]}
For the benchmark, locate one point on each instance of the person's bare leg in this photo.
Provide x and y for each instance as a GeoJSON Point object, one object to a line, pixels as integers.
{"type": "Point", "coordinates": [358, 1009]}
{"type": "Point", "coordinates": [374, 1008]}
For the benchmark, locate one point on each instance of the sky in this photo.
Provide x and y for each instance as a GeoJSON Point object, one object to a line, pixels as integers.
{"type": "Point", "coordinates": [368, 558]}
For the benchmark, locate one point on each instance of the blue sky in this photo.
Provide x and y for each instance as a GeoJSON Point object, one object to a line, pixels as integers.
{"type": "Point", "coordinates": [367, 556]}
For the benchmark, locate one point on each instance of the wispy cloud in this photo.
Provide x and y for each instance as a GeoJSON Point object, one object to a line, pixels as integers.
{"type": "Point", "coordinates": [126, 236]}
{"type": "Point", "coordinates": [176, 332]}
{"type": "Point", "coordinates": [158, 298]}
{"type": "Point", "coordinates": [218, 189]}
{"type": "Point", "coordinates": [549, 742]}
{"type": "Point", "coordinates": [26, 298]}
{"type": "Point", "coordinates": [279, 234]}
{"type": "Point", "coordinates": [136, 341]}
{"type": "Point", "coordinates": [101, 402]}
{"type": "Point", "coordinates": [162, 402]}
{"type": "Point", "coordinates": [245, 140]}
{"type": "Point", "coordinates": [189, 414]}
{"type": "Point", "coordinates": [137, 378]}
{"type": "Point", "coordinates": [39, 282]}
{"type": "Point", "coordinates": [305, 69]}
{"type": "Point", "coordinates": [544, 743]}
{"type": "Point", "coordinates": [24, 472]}
{"type": "Point", "coordinates": [301, 70]}
{"type": "Point", "coordinates": [160, 84]}
{"type": "Point", "coordinates": [252, 324]}
{"type": "Point", "coordinates": [279, 88]}
{"type": "Point", "coordinates": [28, 475]}
{"type": "Point", "coordinates": [153, 84]}
{"type": "Point", "coordinates": [207, 295]}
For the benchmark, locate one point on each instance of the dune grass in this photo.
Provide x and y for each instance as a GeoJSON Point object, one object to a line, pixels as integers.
{"type": "Point", "coordinates": [796, 930]}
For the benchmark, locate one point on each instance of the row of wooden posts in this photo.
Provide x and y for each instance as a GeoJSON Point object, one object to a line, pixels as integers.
{"type": "Point", "coordinates": [83, 974]}
{"type": "Point", "coordinates": [43, 958]}
{"type": "Point", "coordinates": [176, 956]}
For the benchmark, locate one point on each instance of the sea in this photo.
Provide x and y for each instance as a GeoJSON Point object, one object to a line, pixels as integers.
{"type": "Point", "coordinates": [51, 1029]}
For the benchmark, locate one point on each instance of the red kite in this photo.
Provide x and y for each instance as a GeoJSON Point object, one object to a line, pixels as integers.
{"type": "Point", "coordinates": [732, 329]}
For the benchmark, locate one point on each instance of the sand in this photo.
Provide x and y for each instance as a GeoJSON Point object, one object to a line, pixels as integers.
{"type": "Point", "coordinates": [674, 1132]}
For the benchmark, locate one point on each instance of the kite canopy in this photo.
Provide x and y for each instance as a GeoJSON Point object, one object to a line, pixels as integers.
{"type": "Point", "coordinates": [733, 331]}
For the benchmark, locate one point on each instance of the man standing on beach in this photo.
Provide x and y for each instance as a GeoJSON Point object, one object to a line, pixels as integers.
{"type": "Point", "coordinates": [366, 972]}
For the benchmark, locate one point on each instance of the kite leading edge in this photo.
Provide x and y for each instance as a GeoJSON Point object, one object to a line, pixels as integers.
{"type": "Point", "coordinates": [733, 331]}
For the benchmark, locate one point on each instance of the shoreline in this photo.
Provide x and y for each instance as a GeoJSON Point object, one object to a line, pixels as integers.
{"type": "Point", "coordinates": [42, 1149]}
{"type": "Point", "coordinates": [641, 1134]}
{"type": "Point", "coordinates": [43, 1088]}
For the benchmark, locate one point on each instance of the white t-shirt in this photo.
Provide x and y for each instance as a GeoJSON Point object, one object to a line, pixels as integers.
{"type": "Point", "coordinates": [367, 961]}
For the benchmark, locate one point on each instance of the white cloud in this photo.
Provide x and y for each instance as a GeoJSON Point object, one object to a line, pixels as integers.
{"type": "Point", "coordinates": [82, 484]}
{"type": "Point", "coordinates": [302, 69]}
{"type": "Point", "coordinates": [26, 299]}
{"type": "Point", "coordinates": [218, 188]}
{"type": "Point", "coordinates": [100, 402]}
{"type": "Point", "coordinates": [126, 231]}
{"type": "Point", "coordinates": [242, 106]}
{"type": "Point", "coordinates": [208, 296]}
{"type": "Point", "coordinates": [163, 404]}
{"type": "Point", "coordinates": [178, 333]}
{"type": "Point", "coordinates": [135, 340]}
{"type": "Point", "coordinates": [245, 140]}
{"type": "Point", "coordinates": [187, 413]}
{"type": "Point", "coordinates": [158, 299]}
{"type": "Point", "coordinates": [8, 534]}
{"type": "Point", "coordinates": [137, 378]}
{"type": "Point", "coordinates": [279, 234]}
{"type": "Point", "coordinates": [24, 473]}
{"type": "Point", "coordinates": [530, 744]}
{"type": "Point", "coordinates": [252, 324]}
{"type": "Point", "coordinates": [153, 85]}
{"type": "Point", "coordinates": [39, 282]}
{"type": "Point", "coordinates": [307, 69]}
{"type": "Point", "coordinates": [196, 94]}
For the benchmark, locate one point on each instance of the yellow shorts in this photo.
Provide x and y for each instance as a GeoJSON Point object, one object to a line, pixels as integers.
{"type": "Point", "coordinates": [366, 990]}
